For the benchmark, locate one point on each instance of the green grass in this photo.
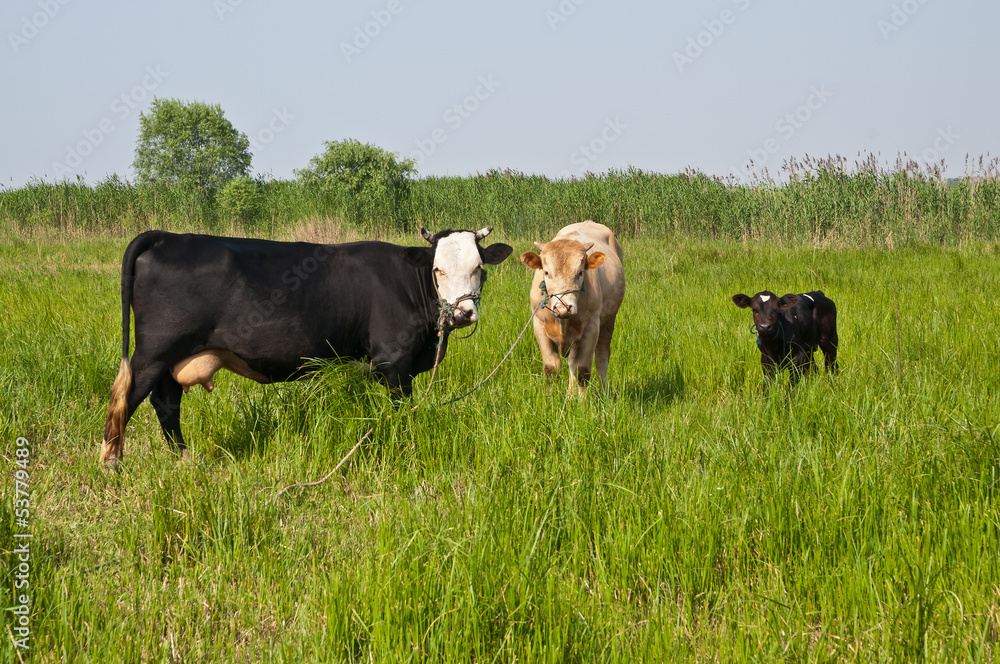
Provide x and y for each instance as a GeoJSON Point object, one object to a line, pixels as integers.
{"type": "Point", "coordinates": [684, 513]}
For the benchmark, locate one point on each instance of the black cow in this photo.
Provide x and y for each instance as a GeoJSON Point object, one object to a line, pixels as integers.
{"type": "Point", "coordinates": [260, 308]}
{"type": "Point", "coordinates": [791, 327]}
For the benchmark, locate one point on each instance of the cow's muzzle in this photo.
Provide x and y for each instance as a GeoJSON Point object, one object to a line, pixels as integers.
{"type": "Point", "coordinates": [456, 316]}
{"type": "Point", "coordinates": [562, 309]}
{"type": "Point", "coordinates": [765, 330]}
{"type": "Point", "coordinates": [461, 317]}
{"type": "Point", "coordinates": [555, 303]}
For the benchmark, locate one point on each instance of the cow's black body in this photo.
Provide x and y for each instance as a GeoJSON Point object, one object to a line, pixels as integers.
{"type": "Point", "coordinates": [273, 305]}
{"type": "Point", "coordinates": [791, 328]}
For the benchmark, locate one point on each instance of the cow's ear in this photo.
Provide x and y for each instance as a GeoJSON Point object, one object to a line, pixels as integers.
{"type": "Point", "coordinates": [741, 301]}
{"type": "Point", "coordinates": [788, 301]}
{"type": "Point", "coordinates": [496, 253]}
{"type": "Point", "coordinates": [532, 260]}
{"type": "Point", "coordinates": [595, 259]}
{"type": "Point", "coordinates": [419, 256]}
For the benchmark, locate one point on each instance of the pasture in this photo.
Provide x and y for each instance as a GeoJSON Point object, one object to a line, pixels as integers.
{"type": "Point", "coordinates": [684, 513]}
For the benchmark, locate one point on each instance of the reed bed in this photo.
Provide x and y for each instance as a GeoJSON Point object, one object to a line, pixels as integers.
{"type": "Point", "coordinates": [830, 200]}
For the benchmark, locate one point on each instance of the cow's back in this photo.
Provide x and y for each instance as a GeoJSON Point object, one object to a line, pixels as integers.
{"type": "Point", "coordinates": [590, 231]}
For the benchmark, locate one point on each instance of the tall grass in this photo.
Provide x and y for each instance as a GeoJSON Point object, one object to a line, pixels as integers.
{"type": "Point", "coordinates": [815, 200]}
{"type": "Point", "coordinates": [685, 513]}
{"type": "Point", "coordinates": [118, 207]}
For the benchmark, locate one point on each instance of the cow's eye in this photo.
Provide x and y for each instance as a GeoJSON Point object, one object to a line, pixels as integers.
{"type": "Point", "coordinates": [545, 273]}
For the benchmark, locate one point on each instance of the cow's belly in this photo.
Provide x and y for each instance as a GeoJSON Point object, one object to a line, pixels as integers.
{"type": "Point", "coordinates": [276, 351]}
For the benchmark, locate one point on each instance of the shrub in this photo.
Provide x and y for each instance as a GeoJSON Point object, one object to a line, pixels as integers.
{"type": "Point", "coordinates": [241, 200]}
{"type": "Point", "coordinates": [363, 180]}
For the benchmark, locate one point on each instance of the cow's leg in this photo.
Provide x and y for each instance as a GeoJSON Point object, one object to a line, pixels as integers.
{"type": "Point", "coordinates": [400, 387]}
{"type": "Point", "coordinates": [602, 354]}
{"type": "Point", "coordinates": [166, 399]}
{"type": "Point", "coordinates": [826, 326]}
{"type": "Point", "coordinates": [426, 358]}
{"type": "Point", "coordinates": [135, 380]}
{"type": "Point", "coordinates": [797, 370]}
{"type": "Point", "coordinates": [398, 377]}
{"type": "Point", "coordinates": [550, 354]}
{"type": "Point", "coordinates": [581, 359]}
{"type": "Point", "coordinates": [770, 368]}
{"type": "Point", "coordinates": [828, 344]}
{"type": "Point", "coordinates": [802, 363]}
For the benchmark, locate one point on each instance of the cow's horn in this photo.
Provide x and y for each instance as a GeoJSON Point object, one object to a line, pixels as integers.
{"type": "Point", "coordinates": [426, 234]}
{"type": "Point", "coordinates": [480, 234]}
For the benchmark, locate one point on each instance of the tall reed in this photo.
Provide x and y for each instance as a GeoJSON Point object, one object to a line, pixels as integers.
{"type": "Point", "coordinates": [819, 200]}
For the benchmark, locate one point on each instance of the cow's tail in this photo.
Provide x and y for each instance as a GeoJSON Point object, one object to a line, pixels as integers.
{"type": "Point", "coordinates": [114, 427]}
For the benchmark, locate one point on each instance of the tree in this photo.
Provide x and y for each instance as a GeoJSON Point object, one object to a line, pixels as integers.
{"type": "Point", "coordinates": [191, 143]}
{"type": "Point", "coordinates": [364, 179]}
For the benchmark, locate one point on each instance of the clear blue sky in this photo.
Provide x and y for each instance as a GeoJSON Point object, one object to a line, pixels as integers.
{"type": "Point", "coordinates": [546, 86]}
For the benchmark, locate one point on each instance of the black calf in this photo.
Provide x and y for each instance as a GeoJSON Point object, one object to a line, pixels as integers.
{"type": "Point", "coordinates": [790, 329]}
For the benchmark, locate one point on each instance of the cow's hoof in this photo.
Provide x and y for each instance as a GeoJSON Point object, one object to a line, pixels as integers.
{"type": "Point", "coordinates": [108, 457]}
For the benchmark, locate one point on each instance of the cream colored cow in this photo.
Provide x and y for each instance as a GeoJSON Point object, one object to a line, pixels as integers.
{"type": "Point", "coordinates": [580, 273]}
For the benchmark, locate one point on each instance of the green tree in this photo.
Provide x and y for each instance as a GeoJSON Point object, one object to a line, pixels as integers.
{"type": "Point", "coordinates": [191, 143]}
{"type": "Point", "coordinates": [362, 179]}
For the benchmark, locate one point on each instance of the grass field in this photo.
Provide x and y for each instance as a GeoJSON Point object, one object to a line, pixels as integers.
{"type": "Point", "coordinates": [684, 513]}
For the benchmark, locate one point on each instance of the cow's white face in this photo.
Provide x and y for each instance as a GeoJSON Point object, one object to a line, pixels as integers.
{"type": "Point", "coordinates": [459, 274]}
{"type": "Point", "coordinates": [456, 261]}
